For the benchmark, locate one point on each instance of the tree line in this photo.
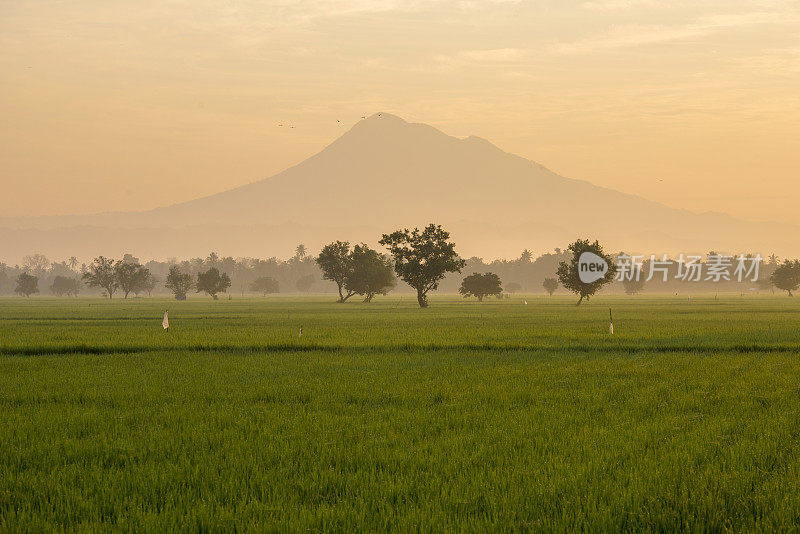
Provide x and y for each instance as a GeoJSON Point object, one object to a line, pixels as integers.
{"type": "Point", "coordinates": [418, 260]}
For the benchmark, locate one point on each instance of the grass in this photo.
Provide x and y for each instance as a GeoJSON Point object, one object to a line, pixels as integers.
{"type": "Point", "coordinates": [388, 417]}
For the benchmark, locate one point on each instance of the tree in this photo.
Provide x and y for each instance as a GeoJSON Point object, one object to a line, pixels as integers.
{"type": "Point", "coordinates": [423, 258]}
{"type": "Point", "coordinates": [131, 276]}
{"type": "Point", "coordinates": [36, 264]}
{"type": "Point", "coordinates": [765, 284]}
{"type": "Point", "coordinates": [513, 287]}
{"type": "Point", "coordinates": [300, 251]}
{"type": "Point", "coordinates": [786, 276]}
{"type": "Point", "coordinates": [569, 275]}
{"type": "Point", "coordinates": [550, 285]}
{"type": "Point", "coordinates": [72, 262]}
{"type": "Point", "coordinates": [633, 286]}
{"type": "Point", "coordinates": [27, 285]}
{"type": "Point", "coordinates": [304, 283]}
{"type": "Point", "coordinates": [63, 285]}
{"type": "Point", "coordinates": [212, 282]}
{"type": "Point", "coordinates": [265, 285]}
{"type": "Point", "coordinates": [481, 285]}
{"type": "Point", "coordinates": [334, 260]}
{"type": "Point", "coordinates": [101, 273]}
{"type": "Point", "coordinates": [149, 284]}
{"type": "Point", "coordinates": [370, 273]}
{"type": "Point", "coordinates": [179, 283]}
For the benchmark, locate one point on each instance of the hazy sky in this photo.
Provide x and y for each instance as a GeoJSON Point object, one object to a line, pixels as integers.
{"type": "Point", "coordinates": [115, 105]}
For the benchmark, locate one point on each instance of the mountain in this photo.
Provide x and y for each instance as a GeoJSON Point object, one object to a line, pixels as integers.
{"type": "Point", "coordinates": [386, 173]}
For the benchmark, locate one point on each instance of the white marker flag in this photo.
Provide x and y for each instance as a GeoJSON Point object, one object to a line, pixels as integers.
{"type": "Point", "coordinates": [165, 322]}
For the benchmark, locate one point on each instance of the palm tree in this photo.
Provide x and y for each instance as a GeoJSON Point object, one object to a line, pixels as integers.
{"type": "Point", "coordinates": [300, 251]}
{"type": "Point", "coordinates": [72, 262]}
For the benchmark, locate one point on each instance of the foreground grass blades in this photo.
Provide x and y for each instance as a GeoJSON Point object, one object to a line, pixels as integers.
{"type": "Point", "coordinates": [462, 416]}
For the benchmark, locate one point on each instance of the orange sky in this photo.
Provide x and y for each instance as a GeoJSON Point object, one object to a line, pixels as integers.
{"type": "Point", "coordinates": [132, 105]}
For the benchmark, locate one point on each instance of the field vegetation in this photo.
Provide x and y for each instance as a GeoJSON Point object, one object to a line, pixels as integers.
{"type": "Point", "coordinates": [460, 416]}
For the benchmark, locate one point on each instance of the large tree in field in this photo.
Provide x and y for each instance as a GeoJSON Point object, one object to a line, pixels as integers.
{"type": "Point", "coordinates": [550, 285]}
{"type": "Point", "coordinates": [131, 277]}
{"type": "Point", "coordinates": [569, 273]}
{"type": "Point", "coordinates": [64, 285]}
{"type": "Point", "coordinates": [334, 261]}
{"type": "Point", "coordinates": [27, 285]}
{"type": "Point", "coordinates": [179, 283]}
{"type": "Point", "coordinates": [423, 258]}
{"type": "Point", "coordinates": [101, 273]}
{"type": "Point", "coordinates": [481, 285]}
{"type": "Point", "coordinates": [213, 282]}
{"type": "Point", "coordinates": [786, 276]}
{"type": "Point", "coordinates": [370, 273]}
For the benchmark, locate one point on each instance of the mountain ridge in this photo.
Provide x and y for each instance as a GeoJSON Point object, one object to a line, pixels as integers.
{"type": "Point", "coordinates": [385, 172]}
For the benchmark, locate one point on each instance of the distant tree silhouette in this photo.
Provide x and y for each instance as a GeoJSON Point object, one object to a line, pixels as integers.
{"type": "Point", "coordinates": [101, 273]}
{"type": "Point", "coordinates": [72, 262]}
{"type": "Point", "coordinates": [63, 285]}
{"type": "Point", "coordinates": [786, 276]}
{"type": "Point", "coordinates": [27, 285]}
{"type": "Point", "coordinates": [633, 286]}
{"type": "Point", "coordinates": [513, 287]}
{"type": "Point", "coordinates": [370, 273]}
{"type": "Point", "coordinates": [334, 260]}
{"type": "Point", "coordinates": [481, 285]}
{"type": "Point", "coordinates": [300, 251]}
{"type": "Point", "coordinates": [265, 285]}
{"type": "Point", "coordinates": [765, 284]}
{"type": "Point", "coordinates": [304, 283]}
{"type": "Point", "coordinates": [37, 264]}
{"type": "Point", "coordinates": [550, 285]}
{"type": "Point", "coordinates": [148, 285]}
{"type": "Point", "coordinates": [569, 276]}
{"type": "Point", "coordinates": [179, 283]}
{"type": "Point", "coordinates": [423, 258]}
{"type": "Point", "coordinates": [212, 282]}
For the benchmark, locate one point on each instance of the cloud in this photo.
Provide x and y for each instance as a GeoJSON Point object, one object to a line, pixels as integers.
{"type": "Point", "coordinates": [614, 5]}
{"type": "Point", "coordinates": [636, 35]}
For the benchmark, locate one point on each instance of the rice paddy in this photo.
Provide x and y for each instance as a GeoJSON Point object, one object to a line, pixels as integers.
{"type": "Point", "coordinates": [384, 416]}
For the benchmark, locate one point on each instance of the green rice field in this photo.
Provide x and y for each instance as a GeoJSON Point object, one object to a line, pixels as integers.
{"type": "Point", "coordinates": [385, 416]}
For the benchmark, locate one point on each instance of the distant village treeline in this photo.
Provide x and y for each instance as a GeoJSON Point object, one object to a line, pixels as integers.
{"type": "Point", "coordinates": [301, 274]}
